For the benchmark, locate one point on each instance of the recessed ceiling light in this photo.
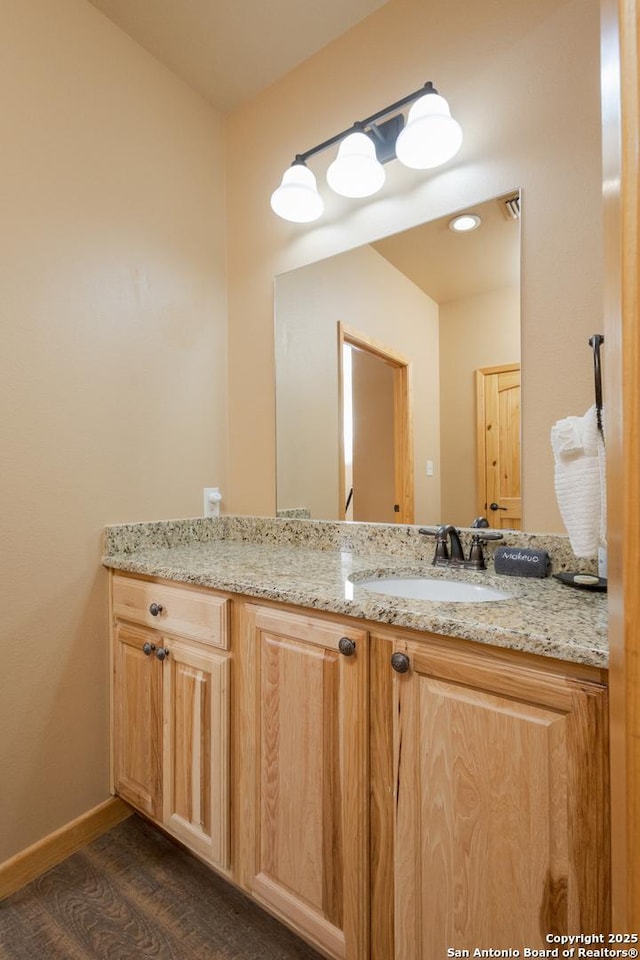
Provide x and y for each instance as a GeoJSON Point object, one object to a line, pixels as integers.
{"type": "Point", "coordinates": [465, 222]}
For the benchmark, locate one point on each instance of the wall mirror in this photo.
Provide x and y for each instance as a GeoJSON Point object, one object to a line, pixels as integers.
{"type": "Point", "coordinates": [398, 376]}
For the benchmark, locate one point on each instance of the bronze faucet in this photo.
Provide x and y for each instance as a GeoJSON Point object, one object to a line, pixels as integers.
{"type": "Point", "coordinates": [446, 533]}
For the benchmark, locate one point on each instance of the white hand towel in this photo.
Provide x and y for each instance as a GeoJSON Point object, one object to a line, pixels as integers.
{"type": "Point", "coordinates": [579, 455]}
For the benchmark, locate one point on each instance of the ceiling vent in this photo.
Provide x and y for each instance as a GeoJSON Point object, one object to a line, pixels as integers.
{"type": "Point", "coordinates": [511, 207]}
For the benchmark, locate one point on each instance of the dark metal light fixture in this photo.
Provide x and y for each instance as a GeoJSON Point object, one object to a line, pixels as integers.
{"type": "Point", "coordinates": [429, 138]}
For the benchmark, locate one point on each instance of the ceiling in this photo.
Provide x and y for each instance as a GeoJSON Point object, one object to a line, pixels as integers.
{"type": "Point", "coordinates": [230, 50]}
{"type": "Point", "coordinates": [449, 265]}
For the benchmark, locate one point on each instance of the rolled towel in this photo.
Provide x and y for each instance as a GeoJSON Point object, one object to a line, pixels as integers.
{"type": "Point", "coordinates": [579, 455]}
{"type": "Point", "coordinates": [521, 562]}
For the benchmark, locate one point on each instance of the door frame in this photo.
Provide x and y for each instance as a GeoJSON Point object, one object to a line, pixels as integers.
{"type": "Point", "coordinates": [481, 439]}
{"type": "Point", "coordinates": [402, 419]}
{"type": "Point", "coordinates": [620, 77]}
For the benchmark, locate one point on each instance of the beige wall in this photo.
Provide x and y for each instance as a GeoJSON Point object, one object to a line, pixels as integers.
{"type": "Point", "coordinates": [523, 80]}
{"type": "Point", "coordinates": [365, 292]}
{"type": "Point", "coordinates": [479, 331]}
{"type": "Point", "coordinates": [112, 369]}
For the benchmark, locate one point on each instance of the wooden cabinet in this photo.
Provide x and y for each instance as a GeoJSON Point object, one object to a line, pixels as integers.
{"type": "Point", "coordinates": [171, 712]}
{"type": "Point", "coordinates": [175, 610]}
{"type": "Point", "coordinates": [137, 719]}
{"type": "Point", "coordinates": [383, 815]}
{"type": "Point", "coordinates": [196, 749]}
{"type": "Point", "coordinates": [500, 793]}
{"type": "Point", "coordinates": [305, 835]}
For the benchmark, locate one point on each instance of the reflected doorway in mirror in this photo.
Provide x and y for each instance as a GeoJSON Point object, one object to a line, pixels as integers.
{"type": "Point", "coordinates": [498, 446]}
{"type": "Point", "coordinates": [376, 450]}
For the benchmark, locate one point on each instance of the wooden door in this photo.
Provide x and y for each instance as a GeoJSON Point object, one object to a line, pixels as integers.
{"type": "Point", "coordinates": [621, 177]}
{"type": "Point", "coordinates": [196, 749]}
{"type": "Point", "coordinates": [137, 720]}
{"type": "Point", "coordinates": [501, 806]}
{"type": "Point", "coordinates": [498, 446]}
{"type": "Point", "coordinates": [306, 839]}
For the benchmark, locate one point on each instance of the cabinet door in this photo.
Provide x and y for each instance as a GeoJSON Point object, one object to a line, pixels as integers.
{"type": "Point", "coordinates": [137, 720]}
{"type": "Point", "coordinates": [196, 749]}
{"type": "Point", "coordinates": [501, 805]}
{"type": "Point", "coordinates": [306, 834]}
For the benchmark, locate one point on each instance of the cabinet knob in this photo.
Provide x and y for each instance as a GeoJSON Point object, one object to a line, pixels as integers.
{"type": "Point", "coordinates": [155, 609]}
{"type": "Point", "coordinates": [400, 662]}
{"type": "Point", "coordinates": [162, 653]}
{"type": "Point", "coordinates": [148, 648]}
{"type": "Point", "coordinates": [346, 646]}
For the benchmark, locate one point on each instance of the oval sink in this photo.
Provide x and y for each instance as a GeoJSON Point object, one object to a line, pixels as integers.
{"type": "Point", "coordinates": [423, 588]}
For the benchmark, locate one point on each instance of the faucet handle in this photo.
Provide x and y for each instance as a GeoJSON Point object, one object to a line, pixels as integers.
{"type": "Point", "coordinates": [442, 552]}
{"type": "Point", "coordinates": [476, 554]}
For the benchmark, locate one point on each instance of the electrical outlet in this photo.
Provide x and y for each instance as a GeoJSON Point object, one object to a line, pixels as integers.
{"type": "Point", "coordinates": [211, 502]}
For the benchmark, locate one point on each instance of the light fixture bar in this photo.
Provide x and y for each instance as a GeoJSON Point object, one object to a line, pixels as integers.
{"type": "Point", "coordinates": [361, 124]}
{"type": "Point", "coordinates": [428, 139]}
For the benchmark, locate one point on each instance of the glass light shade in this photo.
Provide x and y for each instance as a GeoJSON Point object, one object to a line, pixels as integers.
{"type": "Point", "coordinates": [356, 171]}
{"type": "Point", "coordinates": [431, 136]}
{"type": "Point", "coordinates": [297, 198]}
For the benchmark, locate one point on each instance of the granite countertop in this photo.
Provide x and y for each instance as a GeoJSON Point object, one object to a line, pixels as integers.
{"type": "Point", "coordinates": [319, 568]}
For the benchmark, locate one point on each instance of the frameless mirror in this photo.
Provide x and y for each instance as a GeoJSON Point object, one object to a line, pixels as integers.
{"type": "Point", "coordinates": [398, 376]}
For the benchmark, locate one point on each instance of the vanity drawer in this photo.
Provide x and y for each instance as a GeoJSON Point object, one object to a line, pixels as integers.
{"type": "Point", "coordinates": [198, 616]}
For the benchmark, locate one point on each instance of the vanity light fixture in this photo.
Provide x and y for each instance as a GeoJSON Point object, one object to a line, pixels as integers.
{"type": "Point", "coordinates": [430, 138]}
{"type": "Point", "coordinates": [465, 223]}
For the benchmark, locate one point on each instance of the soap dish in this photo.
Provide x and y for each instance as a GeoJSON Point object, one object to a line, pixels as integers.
{"type": "Point", "coordinates": [583, 581]}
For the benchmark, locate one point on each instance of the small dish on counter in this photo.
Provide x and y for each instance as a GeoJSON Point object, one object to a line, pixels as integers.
{"type": "Point", "coordinates": [582, 581]}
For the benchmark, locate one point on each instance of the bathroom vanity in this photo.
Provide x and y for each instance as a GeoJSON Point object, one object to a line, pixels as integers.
{"type": "Point", "coordinates": [391, 778]}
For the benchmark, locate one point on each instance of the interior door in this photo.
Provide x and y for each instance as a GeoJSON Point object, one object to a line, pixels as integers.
{"type": "Point", "coordinates": [498, 446]}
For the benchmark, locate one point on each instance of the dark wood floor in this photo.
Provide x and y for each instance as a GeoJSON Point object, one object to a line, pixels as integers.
{"type": "Point", "coordinates": [134, 895]}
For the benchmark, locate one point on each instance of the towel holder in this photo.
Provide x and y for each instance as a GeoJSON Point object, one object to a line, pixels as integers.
{"type": "Point", "coordinates": [596, 342]}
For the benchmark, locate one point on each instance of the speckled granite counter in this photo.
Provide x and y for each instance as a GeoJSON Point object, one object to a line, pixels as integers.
{"type": "Point", "coordinates": [317, 565]}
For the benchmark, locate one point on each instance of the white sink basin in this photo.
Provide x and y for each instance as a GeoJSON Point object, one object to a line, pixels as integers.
{"type": "Point", "coordinates": [422, 588]}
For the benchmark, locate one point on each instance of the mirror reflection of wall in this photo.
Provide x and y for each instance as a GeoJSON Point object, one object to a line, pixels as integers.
{"type": "Point", "coordinates": [449, 302]}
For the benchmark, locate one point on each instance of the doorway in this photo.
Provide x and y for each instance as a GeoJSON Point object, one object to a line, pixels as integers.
{"type": "Point", "coordinates": [376, 449]}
